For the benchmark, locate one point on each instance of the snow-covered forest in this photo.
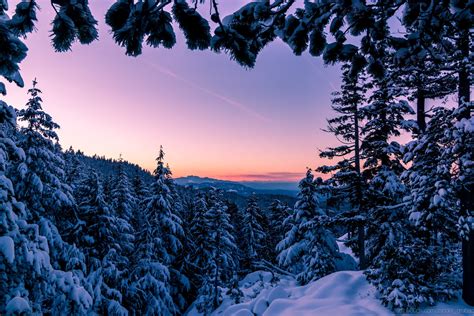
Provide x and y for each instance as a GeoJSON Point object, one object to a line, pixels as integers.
{"type": "Point", "coordinates": [87, 235]}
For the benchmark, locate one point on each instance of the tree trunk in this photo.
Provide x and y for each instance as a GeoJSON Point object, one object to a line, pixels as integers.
{"type": "Point", "coordinates": [420, 110]}
{"type": "Point", "coordinates": [467, 191]}
{"type": "Point", "coordinates": [361, 226]}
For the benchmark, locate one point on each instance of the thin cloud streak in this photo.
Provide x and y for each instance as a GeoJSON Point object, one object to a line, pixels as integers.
{"type": "Point", "coordinates": [320, 73]}
{"type": "Point", "coordinates": [231, 102]}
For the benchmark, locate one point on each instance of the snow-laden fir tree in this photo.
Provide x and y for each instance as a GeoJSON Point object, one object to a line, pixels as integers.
{"type": "Point", "coordinates": [388, 230]}
{"type": "Point", "coordinates": [107, 181]}
{"type": "Point", "coordinates": [179, 280]}
{"type": "Point", "coordinates": [346, 179]}
{"type": "Point", "coordinates": [384, 120]}
{"type": "Point", "coordinates": [461, 138]}
{"type": "Point", "coordinates": [74, 168]}
{"type": "Point", "coordinates": [40, 180]}
{"type": "Point", "coordinates": [180, 283]}
{"type": "Point", "coordinates": [431, 199]}
{"type": "Point", "coordinates": [222, 259]}
{"type": "Point", "coordinates": [158, 244]}
{"type": "Point", "coordinates": [29, 282]}
{"type": "Point", "coordinates": [432, 209]}
{"type": "Point", "coordinates": [100, 239]}
{"type": "Point", "coordinates": [140, 193]}
{"type": "Point", "coordinates": [123, 203]}
{"type": "Point", "coordinates": [200, 244]}
{"type": "Point", "coordinates": [236, 221]}
{"type": "Point", "coordinates": [41, 184]}
{"type": "Point", "coordinates": [278, 212]}
{"type": "Point", "coordinates": [253, 234]}
{"type": "Point", "coordinates": [308, 249]}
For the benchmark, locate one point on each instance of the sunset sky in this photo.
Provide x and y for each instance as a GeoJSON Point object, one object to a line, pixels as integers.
{"type": "Point", "coordinates": [213, 117]}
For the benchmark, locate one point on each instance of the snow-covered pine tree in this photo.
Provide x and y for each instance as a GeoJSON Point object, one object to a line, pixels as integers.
{"type": "Point", "coordinates": [153, 278]}
{"type": "Point", "coordinates": [384, 120]}
{"type": "Point", "coordinates": [346, 180]}
{"type": "Point", "coordinates": [29, 283]}
{"type": "Point", "coordinates": [253, 234]}
{"type": "Point", "coordinates": [309, 250]}
{"type": "Point", "coordinates": [463, 136]}
{"type": "Point", "coordinates": [222, 261]}
{"type": "Point", "coordinates": [236, 221]}
{"type": "Point", "coordinates": [140, 193]}
{"type": "Point", "coordinates": [107, 181]}
{"type": "Point", "coordinates": [179, 280]}
{"type": "Point", "coordinates": [388, 230]}
{"type": "Point", "coordinates": [267, 253]}
{"type": "Point", "coordinates": [432, 208]}
{"type": "Point", "coordinates": [123, 203]}
{"type": "Point", "coordinates": [99, 237]}
{"type": "Point", "coordinates": [278, 212]}
{"type": "Point", "coordinates": [74, 168]}
{"type": "Point", "coordinates": [13, 263]}
{"type": "Point", "coordinates": [444, 36]}
{"type": "Point", "coordinates": [200, 243]}
{"type": "Point", "coordinates": [41, 179]}
{"type": "Point", "coordinates": [40, 183]}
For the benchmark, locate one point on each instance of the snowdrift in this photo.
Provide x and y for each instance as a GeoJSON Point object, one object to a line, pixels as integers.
{"type": "Point", "coordinates": [344, 293]}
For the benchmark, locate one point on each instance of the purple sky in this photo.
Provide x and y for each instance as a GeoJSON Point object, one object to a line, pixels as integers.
{"type": "Point", "coordinates": [213, 117]}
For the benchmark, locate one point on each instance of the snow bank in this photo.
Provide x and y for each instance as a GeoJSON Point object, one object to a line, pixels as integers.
{"type": "Point", "coordinates": [340, 293]}
{"type": "Point", "coordinates": [344, 293]}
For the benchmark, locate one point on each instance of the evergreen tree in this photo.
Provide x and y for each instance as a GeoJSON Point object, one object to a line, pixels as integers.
{"type": "Point", "coordinates": [200, 250]}
{"type": "Point", "coordinates": [347, 181]}
{"type": "Point", "coordinates": [252, 233]}
{"type": "Point", "coordinates": [432, 209]}
{"type": "Point", "coordinates": [222, 258]}
{"type": "Point", "coordinates": [267, 252]}
{"type": "Point", "coordinates": [100, 240]}
{"type": "Point", "coordinates": [75, 169]}
{"type": "Point", "coordinates": [278, 213]}
{"type": "Point", "coordinates": [431, 201]}
{"type": "Point", "coordinates": [42, 180]}
{"type": "Point", "coordinates": [157, 248]}
{"type": "Point", "coordinates": [236, 221]}
{"type": "Point", "coordinates": [382, 168]}
{"type": "Point", "coordinates": [308, 249]}
{"type": "Point", "coordinates": [140, 193]}
{"type": "Point", "coordinates": [40, 183]}
{"type": "Point", "coordinates": [123, 203]}
{"type": "Point", "coordinates": [29, 283]}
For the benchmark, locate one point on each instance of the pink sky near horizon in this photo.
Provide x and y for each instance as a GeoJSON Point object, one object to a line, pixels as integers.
{"type": "Point", "coordinates": [213, 117]}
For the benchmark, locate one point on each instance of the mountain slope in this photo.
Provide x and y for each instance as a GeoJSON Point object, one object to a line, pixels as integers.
{"type": "Point", "coordinates": [244, 188]}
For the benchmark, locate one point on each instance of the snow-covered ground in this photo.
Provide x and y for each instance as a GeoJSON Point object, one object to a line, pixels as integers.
{"type": "Point", "coordinates": [343, 293]}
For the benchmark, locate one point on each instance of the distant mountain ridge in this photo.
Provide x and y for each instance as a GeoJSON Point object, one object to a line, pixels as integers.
{"type": "Point", "coordinates": [244, 188]}
{"type": "Point", "coordinates": [108, 167]}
